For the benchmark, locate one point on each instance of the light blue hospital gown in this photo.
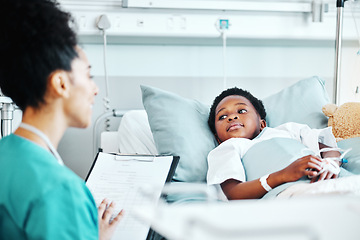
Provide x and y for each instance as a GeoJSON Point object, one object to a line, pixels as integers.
{"type": "Point", "coordinates": [41, 199]}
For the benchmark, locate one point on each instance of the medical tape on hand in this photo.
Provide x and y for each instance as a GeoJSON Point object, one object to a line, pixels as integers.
{"type": "Point", "coordinates": [330, 164]}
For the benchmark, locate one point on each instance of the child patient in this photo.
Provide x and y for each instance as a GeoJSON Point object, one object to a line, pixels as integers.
{"type": "Point", "coordinates": [237, 120]}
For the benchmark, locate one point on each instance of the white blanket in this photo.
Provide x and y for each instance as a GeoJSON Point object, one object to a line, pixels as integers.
{"type": "Point", "coordinates": [344, 186]}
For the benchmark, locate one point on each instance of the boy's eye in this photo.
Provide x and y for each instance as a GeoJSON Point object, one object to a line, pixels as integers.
{"type": "Point", "coordinates": [242, 111]}
{"type": "Point", "coordinates": [222, 117]}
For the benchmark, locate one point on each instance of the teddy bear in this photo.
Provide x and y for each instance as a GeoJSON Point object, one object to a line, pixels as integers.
{"type": "Point", "coordinates": [344, 119]}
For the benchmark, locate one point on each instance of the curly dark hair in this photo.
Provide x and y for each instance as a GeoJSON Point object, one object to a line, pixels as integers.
{"type": "Point", "coordinates": [36, 39]}
{"type": "Point", "coordinates": [257, 103]}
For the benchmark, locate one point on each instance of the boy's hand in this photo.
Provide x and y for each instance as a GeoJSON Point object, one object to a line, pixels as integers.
{"type": "Point", "coordinates": [330, 169]}
{"type": "Point", "coordinates": [323, 176]}
{"type": "Point", "coordinates": [106, 225]}
{"type": "Point", "coordinates": [329, 153]}
{"type": "Point", "coordinates": [306, 166]}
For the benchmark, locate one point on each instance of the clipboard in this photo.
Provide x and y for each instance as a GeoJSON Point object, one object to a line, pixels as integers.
{"type": "Point", "coordinates": [123, 178]}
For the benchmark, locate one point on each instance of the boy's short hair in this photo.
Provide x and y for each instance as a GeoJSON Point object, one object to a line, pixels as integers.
{"type": "Point", "coordinates": [257, 103]}
{"type": "Point", "coordinates": [36, 40]}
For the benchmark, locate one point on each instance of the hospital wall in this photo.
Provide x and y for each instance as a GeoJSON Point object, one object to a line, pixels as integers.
{"type": "Point", "coordinates": [265, 52]}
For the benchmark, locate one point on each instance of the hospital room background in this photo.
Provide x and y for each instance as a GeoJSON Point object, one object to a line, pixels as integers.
{"type": "Point", "coordinates": [181, 47]}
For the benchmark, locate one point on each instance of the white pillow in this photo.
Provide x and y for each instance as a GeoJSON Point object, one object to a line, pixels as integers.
{"type": "Point", "coordinates": [134, 134]}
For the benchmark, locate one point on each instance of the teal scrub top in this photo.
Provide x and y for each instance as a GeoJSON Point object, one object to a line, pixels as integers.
{"type": "Point", "coordinates": [41, 199]}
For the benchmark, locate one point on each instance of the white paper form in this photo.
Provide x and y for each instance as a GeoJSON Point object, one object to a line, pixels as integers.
{"type": "Point", "coordinates": [121, 178]}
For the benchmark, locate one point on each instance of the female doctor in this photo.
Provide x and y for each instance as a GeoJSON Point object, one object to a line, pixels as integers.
{"type": "Point", "coordinates": [48, 77]}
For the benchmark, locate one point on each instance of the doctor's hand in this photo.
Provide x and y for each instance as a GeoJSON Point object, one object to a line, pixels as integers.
{"type": "Point", "coordinates": [107, 227]}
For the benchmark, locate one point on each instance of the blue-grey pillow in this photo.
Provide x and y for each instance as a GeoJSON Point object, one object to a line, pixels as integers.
{"type": "Point", "coordinates": [179, 127]}
{"type": "Point", "coordinates": [353, 157]}
{"type": "Point", "coordinates": [302, 102]}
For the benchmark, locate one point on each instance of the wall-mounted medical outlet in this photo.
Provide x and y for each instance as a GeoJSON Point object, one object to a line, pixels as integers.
{"type": "Point", "coordinates": [177, 22]}
{"type": "Point", "coordinates": [82, 22]}
{"type": "Point", "coordinates": [140, 23]}
{"type": "Point", "coordinates": [117, 23]}
{"type": "Point", "coordinates": [103, 22]}
{"type": "Point", "coordinates": [224, 24]}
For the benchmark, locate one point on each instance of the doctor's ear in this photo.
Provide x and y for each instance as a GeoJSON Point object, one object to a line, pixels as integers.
{"type": "Point", "coordinates": [59, 83]}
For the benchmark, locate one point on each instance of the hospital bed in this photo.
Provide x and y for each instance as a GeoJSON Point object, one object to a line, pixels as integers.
{"type": "Point", "coordinates": [171, 124]}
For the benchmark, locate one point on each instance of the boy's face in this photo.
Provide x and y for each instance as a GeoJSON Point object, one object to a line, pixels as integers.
{"type": "Point", "coordinates": [236, 117]}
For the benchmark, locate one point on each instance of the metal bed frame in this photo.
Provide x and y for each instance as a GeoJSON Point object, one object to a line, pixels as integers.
{"type": "Point", "coordinates": [96, 130]}
{"type": "Point", "coordinates": [338, 42]}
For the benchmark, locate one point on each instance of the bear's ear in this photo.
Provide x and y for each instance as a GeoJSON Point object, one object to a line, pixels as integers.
{"type": "Point", "coordinates": [329, 109]}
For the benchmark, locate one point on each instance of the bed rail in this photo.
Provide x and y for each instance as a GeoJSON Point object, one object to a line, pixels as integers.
{"type": "Point", "coordinates": [98, 121]}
